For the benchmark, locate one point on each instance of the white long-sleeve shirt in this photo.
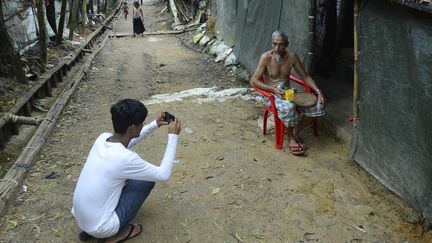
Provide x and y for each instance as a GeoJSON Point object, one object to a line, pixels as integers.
{"type": "Point", "coordinates": [102, 179]}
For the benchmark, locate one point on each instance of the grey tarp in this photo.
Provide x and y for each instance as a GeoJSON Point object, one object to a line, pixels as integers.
{"type": "Point", "coordinates": [393, 138]}
{"type": "Point", "coordinates": [248, 24]}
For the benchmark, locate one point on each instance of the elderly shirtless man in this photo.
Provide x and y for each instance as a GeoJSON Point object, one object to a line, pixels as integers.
{"type": "Point", "coordinates": [274, 69]}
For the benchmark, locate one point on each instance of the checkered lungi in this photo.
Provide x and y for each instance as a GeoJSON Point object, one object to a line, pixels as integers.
{"type": "Point", "coordinates": [291, 114]}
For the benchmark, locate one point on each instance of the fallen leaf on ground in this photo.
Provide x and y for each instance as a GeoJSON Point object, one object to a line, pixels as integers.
{"type": "Point", "coordinates": [215, 190]}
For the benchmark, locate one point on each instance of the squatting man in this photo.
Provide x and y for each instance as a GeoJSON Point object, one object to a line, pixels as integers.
{"type": "Point", "coordinates": [116, 181]}
{"type": "Point", "coordinates": [272, 75]}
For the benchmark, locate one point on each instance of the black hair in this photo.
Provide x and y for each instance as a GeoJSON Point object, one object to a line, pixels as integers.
{"type": "Point", "coordinates": [127, 112]}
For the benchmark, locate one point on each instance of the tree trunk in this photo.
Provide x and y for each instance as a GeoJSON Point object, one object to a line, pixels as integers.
{"type": "Point", "coordinates": [73, 24]}
{"type": "Point", "coordinates": [42, 30]}
{"type": "Point", "coordinates": [8, 51]}
{"type": "Point", "coordinates": [98, 6]}
{"type": "Point", "coordinates": [61, 23]}
{"type": "Point", "coordinates": [105, 6]}
{"type": "Point", "coordinates": [51, 16]}
{"type": "Point", "coordinates": [84, 13]}
{"type": "Point", "coordinates": [91, 9]}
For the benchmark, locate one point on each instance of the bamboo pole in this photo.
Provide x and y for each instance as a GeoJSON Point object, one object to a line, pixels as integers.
{"type": "Point", "coordinates": [24, 120]}
{"type": "Point", "coordinates": [309, 65]}
{"type": "Point", "coordinates": [356, 54]}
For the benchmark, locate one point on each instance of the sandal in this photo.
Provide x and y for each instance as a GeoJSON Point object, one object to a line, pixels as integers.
{"type": "Point", "coordinates": [83, 236]}
{"type": "Point", "coordinates": [301, 143]}
{"type": "Point", "coordinates": [130, 236]}
{"type": "Point", "coordinates": [296, 149]}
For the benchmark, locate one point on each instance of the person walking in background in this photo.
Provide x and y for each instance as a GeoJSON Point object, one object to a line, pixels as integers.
{"type": "Point", "coordinates": [138, 17]}
{"type": "Point", "coordinates": [125, 10]}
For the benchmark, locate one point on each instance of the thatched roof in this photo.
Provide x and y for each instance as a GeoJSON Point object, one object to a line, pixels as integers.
{"type": "Point", "coordinates": [422, 5]}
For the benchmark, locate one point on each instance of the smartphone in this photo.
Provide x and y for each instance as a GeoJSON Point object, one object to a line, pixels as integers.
{"type": "Point", "coordinates": [168, 117]}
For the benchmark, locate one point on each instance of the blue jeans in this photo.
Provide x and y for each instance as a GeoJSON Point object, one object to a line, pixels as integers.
{"type": "Point", "coordinates": [132, 197]}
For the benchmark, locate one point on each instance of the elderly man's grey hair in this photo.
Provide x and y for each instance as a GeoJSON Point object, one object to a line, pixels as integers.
{"type": "Point", "coordinates": [281, 34]}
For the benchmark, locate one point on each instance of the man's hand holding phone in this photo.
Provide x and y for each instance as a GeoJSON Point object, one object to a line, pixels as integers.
{"type": "Point", "coordinates": [174, 127]}
{"type": "Point", "coordinates": [165, 118]}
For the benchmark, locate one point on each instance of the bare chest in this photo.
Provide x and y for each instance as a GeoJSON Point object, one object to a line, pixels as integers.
{"type": "Point", "coordinates": [279, 70]}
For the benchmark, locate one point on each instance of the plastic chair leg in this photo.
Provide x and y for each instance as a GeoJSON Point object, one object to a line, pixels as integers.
{"type": "Point", "coordinates": [264, 129]}
{"type": "Point", "coordinates": [280, 133]}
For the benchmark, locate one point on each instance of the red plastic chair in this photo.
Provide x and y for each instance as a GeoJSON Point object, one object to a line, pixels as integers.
{"type": "Point", "coordinates": [279, 126]}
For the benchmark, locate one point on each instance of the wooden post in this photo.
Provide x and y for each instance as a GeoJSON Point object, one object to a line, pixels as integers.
{"type": "Point", "coordinates": [14, 128]}
{"type": "Point", "coordinates": [2, 143]}
{"type": "Point", "coordinates": [53, 80]}
{"type": "Point", "coordinates": [48, 88]}
{"type": "Point", "coordinates": [60, 75]}
{"type": "Point", "coordinates": [356, 54]}
{"type": "Point", "coordinates": [27, 108]}
{"type": "Point", "coordinates": [40, 94]}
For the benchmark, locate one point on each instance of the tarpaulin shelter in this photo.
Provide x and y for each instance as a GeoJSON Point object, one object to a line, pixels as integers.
{"type": "Point", "coordinates": [391, 138]}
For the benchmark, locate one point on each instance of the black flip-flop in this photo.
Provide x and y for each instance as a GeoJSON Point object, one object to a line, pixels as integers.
{"type": "Point", "coordinates": [128, 237]}
{"type": "Point", "coordinates": [83, 236]}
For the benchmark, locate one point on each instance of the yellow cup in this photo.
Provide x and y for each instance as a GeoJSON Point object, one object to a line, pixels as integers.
{"type": "Point", "coordinates": [289, 95]}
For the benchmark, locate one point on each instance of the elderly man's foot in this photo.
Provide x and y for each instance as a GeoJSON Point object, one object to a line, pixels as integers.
{"type": "Point", "coordinates": [294, 147]}
{"type": "Point", "coordinates": [300, 142]}
{"type": "Point", "coordinates": [132, 231]}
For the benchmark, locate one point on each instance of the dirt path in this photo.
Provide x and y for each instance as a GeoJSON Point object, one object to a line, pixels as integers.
{"type": "Point", "coordinates": [231, 184]}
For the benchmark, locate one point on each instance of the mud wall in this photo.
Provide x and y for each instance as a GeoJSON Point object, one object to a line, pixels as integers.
{"type": "Point", "coordinates": [393, 138]}
{"type": "Point", "coordinates": [248, 24]}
